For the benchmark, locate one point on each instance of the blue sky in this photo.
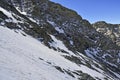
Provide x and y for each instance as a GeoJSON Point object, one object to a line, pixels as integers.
{"type": "Point", "coordinates": [95, 10]}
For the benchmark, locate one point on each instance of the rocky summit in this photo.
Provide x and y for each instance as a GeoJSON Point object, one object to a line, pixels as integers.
{"type": "Point", "coordinates": [43, 40]}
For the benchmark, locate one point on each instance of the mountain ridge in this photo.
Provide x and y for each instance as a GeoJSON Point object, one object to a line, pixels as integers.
{"type": "Point", "coordinates": [45, 18]}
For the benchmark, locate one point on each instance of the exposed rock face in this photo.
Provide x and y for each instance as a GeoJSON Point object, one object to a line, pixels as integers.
{"type": "Point", "coordinates": [110, 30]}
{"type": "Point", "coordinates": [44, 18]}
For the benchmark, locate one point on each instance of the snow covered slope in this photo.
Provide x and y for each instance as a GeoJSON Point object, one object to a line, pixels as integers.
{"type": "Point", "coordinates": [46, 41]}
{"type": "Point", "coordinates": [25, 58]}
{"type": "Point", "coordinates": [20, 59]}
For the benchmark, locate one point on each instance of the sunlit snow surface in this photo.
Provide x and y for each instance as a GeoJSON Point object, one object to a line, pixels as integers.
{"type": "Point", "coordinates": [25, 58]}
{"type": "Point", "coordinates": [19, 59]}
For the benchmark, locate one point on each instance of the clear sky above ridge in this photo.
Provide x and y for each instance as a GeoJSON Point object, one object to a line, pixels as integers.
{"type": "Point", "coordinates": [95, 10]}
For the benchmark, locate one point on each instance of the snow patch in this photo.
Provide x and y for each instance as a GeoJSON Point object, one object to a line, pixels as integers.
{"type": "Point", "coordinates": [92, 52]}
{"type": "Point", "coordinates": [7, 13]}
{"type": "Point", "coordinates": [104, 55]}
{"type": "Point", "coordinates": [59, 30]}
{"type": "Point", "coordinates": [50, 22]}
{"type": "Point", "coordinates": [24, 13]}
{"type": "Point", "coordinates": [32, 20]}
{"type": "Point", "coordinates": [71, 42]}
{"type": "Point", "coordinates": [59, 44]}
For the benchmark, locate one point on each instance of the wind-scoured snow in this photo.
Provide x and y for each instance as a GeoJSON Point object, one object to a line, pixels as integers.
{"type": "Point", "coordinates": [25, 58]}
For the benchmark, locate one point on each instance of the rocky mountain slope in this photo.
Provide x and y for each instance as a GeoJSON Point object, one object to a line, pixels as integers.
{"type": "Point", "coordinates": [62, 38]}
{"type": "Point", "coordinates": [109, 30]}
